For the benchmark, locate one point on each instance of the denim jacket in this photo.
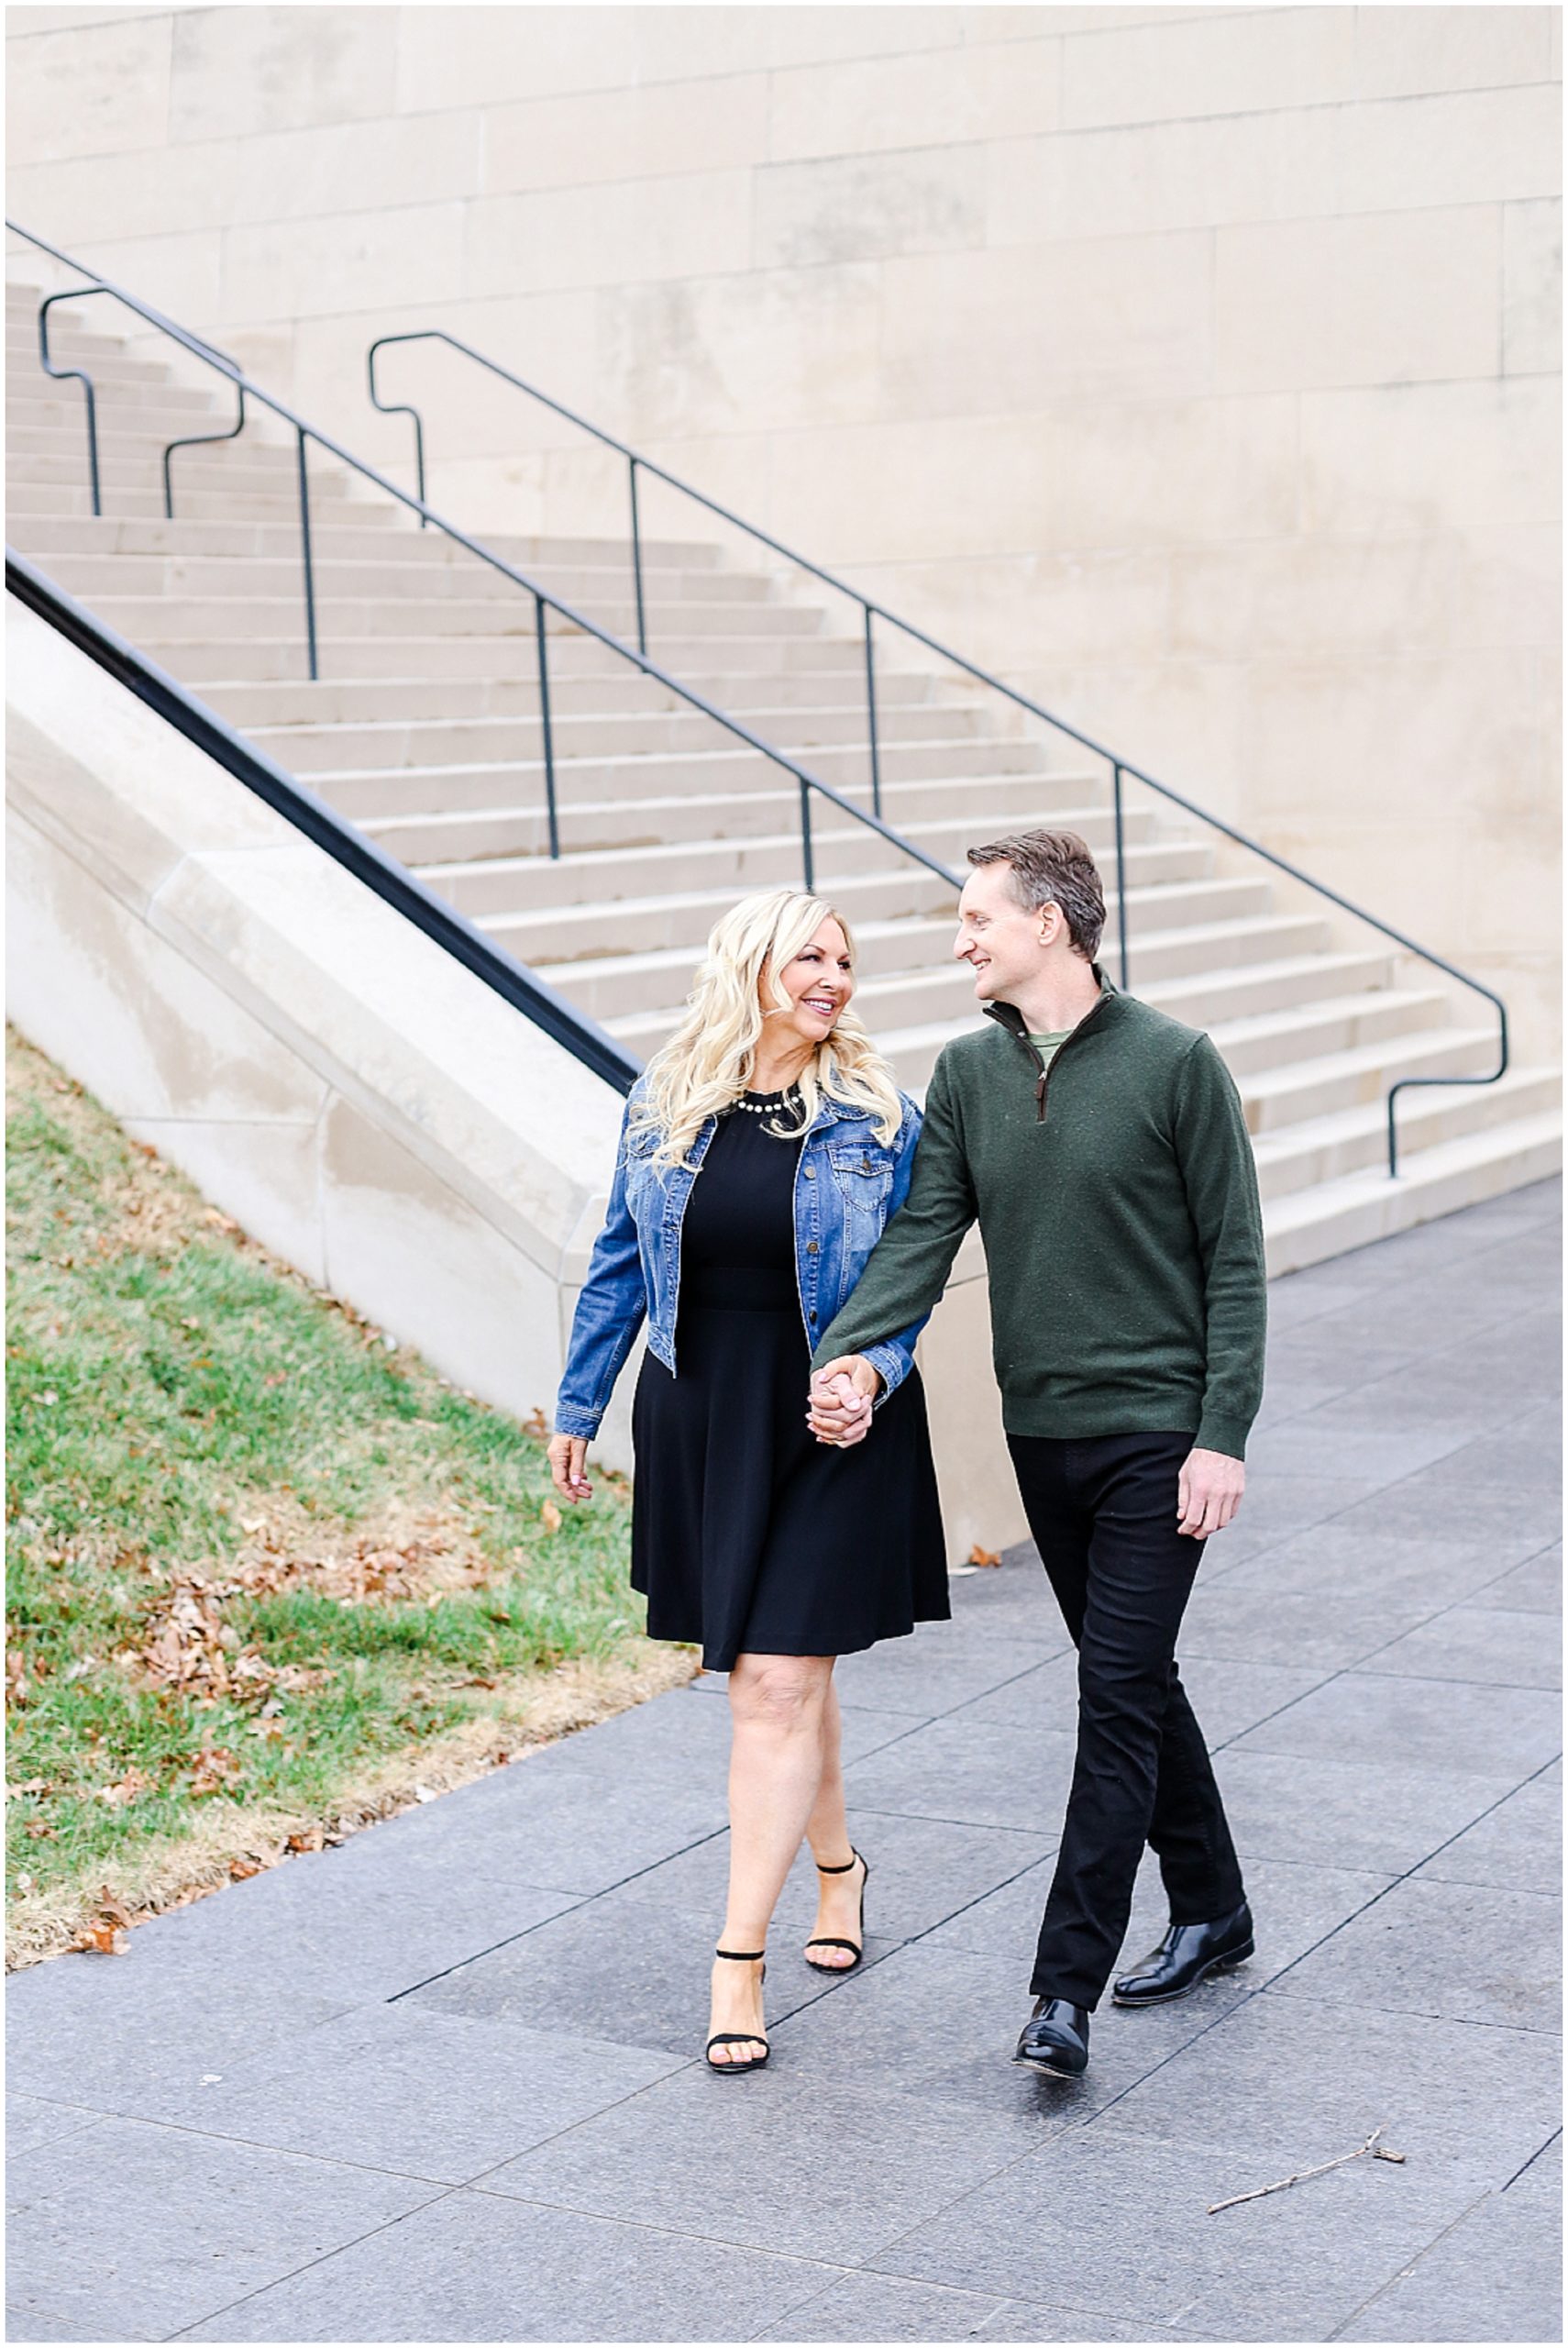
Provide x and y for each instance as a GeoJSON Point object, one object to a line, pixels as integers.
{"type": "Point", "coordinates": [847, 1184]}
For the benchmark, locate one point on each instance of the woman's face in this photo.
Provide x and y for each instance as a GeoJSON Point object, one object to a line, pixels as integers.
{"type": "Point", "coordinates": [819, 982]}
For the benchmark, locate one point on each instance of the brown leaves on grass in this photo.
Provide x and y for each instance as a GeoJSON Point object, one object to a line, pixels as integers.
{"type": "Point", "coordinates": [124, 1789]}
{"type": "Point", "coordinates": [191, 1647]}
{"type": "Point", "coordinates": [403, 1552]}
{"type": "Point", "coordinates": [214, 1768]}
{"type": "Point", "coordinates": [104, 1933]}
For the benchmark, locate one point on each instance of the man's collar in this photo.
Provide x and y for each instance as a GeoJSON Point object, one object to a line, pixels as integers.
{"type": "Point", "coordinates": [1007, 1014]}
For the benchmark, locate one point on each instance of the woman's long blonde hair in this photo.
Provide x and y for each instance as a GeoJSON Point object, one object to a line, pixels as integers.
{"type": "Point", "coordinates": [707, 1063]}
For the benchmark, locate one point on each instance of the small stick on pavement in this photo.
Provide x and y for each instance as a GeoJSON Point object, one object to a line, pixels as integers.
{"type": "Point", "coordinates": [1379, 2152]}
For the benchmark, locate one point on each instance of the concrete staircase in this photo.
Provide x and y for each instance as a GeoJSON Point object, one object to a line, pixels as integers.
{"type": "Point", "coordinates": [423, 728]}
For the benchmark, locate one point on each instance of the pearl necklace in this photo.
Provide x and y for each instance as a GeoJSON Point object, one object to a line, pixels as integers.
{"type": "Point", "coordinates": [771, 1104]}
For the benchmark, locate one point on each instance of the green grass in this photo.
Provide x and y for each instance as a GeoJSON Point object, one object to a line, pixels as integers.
{"type": "Point", "coordinates": [382, 1571]}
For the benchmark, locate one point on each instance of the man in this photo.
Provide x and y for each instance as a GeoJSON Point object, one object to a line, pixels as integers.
{"type": "Point", "coordinates": [1103, 1149]}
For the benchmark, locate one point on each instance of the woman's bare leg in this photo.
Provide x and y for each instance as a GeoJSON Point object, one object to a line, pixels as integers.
{"type": "Point", "coordinates": [776, 1765]}
{"type": "Point", "coordinates": [827, 1830]}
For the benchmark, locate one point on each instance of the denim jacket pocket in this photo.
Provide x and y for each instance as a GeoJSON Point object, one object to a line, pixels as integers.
{"type": "Point", "coordinates": [864, 1173]}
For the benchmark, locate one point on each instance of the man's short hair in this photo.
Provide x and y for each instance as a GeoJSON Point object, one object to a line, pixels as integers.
{"type": "Point", "coordinates": [1054, 869]}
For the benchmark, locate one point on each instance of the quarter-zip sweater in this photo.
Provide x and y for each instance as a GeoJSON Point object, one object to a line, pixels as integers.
{"type": "Point", "coordinates": [1117, 1197]}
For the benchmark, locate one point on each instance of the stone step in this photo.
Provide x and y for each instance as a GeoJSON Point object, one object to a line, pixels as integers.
{"type": "Point", "coordinates": [769, 701]}
{"type": "Point", "coordinates": [103, 363]}
{"type": "Point", "coordinates": [1287, 1096]}
{"type": "Point", "coordinates": [509, 886]}
{"type": "Point", "coordinates": [903, 900]}
{"type": "Point", "coordinates": [490, 790]}
{"type": "Point", "coordinates": [214, 535]}
{"type": "Point", "coordinates": [1260, 1041]}
{"type": "Point", "coordinates": [725, 764]}
{"type": "Point", "coordinates": [1480, 1151]}
{"type": "Point", "coordinates": [399, 571]}
{"type": "Point", "coordinates": [596, 731]}
{"type": "Point", "coordinates": [257, 471]}
{"type": "Point", "coordinates": [1006, 803]}
{"type": "Point", "coordinates": [916, 954]}
{"type": "Point", "coordinates": [193, 657]}
{"type": "Point", "coordinates": [70, 498]}
{"type": "Point", "coordinates": [243, 619]}
{"type": "Point", "coordinates": [45, 404]}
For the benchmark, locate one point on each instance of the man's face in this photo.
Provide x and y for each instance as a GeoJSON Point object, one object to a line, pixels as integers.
{"type": "Point", "coordinates": [1002, 941]}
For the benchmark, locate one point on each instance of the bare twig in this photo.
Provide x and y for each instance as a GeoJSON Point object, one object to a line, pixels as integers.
{"type": "Point", "coordinates": [1379, 2152]}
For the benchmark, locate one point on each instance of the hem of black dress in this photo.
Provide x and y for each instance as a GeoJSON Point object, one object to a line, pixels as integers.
{"type": "Point", "coordinates": [862, 1646]}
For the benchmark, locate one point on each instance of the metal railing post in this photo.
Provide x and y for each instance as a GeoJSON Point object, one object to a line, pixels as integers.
{"type": "Point", "coordinates": [545, 725]}
{"type": "Point", "coordinates": [391, 407]}
{"type": "Point", "coordinates": [74, 374]}
{"type": "Point", "coordinates": [871, 718]}
{"type": "Point", "coordinates": [305, 554]}
{"type": "Point", "coordinates": [1120, 875]}
{"type": "Point", "coordinates": [637, 559]}
{"type": "Point", "coordinates": [808, 859]}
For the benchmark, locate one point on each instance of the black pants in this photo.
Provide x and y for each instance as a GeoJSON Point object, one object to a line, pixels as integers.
{"type": "Point", "coordinates": [1103, 1513]}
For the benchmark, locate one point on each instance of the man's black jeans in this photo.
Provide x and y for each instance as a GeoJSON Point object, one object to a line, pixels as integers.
{"type": "Point", "coordinates": [1103, 1513]}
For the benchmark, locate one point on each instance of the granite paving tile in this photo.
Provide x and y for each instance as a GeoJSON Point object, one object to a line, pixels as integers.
{"type": "Point", "coordinates": [938, 2024]}
{"type": "Point", "coordinates": [1469, 2098]}
{"type": "Point", "coordinates": [1534, 1587]}
{"type": "Point", "coordinates": [830, 2170]}
{"type": "Point", "coordinates": [1369, 1458]}
{"type": "Point", "coordinates": [1517, 1846]}
{"type": "Point", "coordinates": [30, 2120]}
{"type": "Point", "coordinates": [479, 2266]}
{"type": "Point", "coordinates": [1228, 1697]}
{"type": "Point", "coordinates": [428, 2094]}
{"type": "Point", "coordinates": [631, 1968]}
{"type": "Point", "coordinates": [1493, 1643]}
{"type": "Point", "coordinates": [1233, 1624]}
{"type": "Point", "coordinates": [1374, 1717]}
{"type": "Point", "coordinates": [947, 1665]}
{"type": "Point", "coordinates": [1125, 2219]}
{"type": "Point", "coordinates": [362, 1921]}
{"type": "Point", "coordinates": [1341, 1561]}
{"type": "Point", "coordinates": [30, 2325]}
{"type": "Point", "coordinates": [1337, 1813]}
{"type": "Point", "coordinates": [149, 2229]}
{"type": "Point", "coordinates": [872, 2307]}
{"type": "Point", "coordinates": [922, 1869]}
{"type": "Point", "coordinates": [971, 1773]}
{"type": "Point", "coordinates": [1292, 1907]}
{"type": "Point", "coordinates": [1473, 1953]}
{"type": "Point", "coordinates": [1496, 2274]}
{"type": "Point", "coordinates": [1022, 2320]}
{"type": "Point", "coordinates": [130, 2033]}
{"type": "Point", "coordinates": [1437, 1504]}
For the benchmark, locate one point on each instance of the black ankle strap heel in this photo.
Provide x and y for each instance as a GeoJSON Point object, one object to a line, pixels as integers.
{"type": "Point", "coordinates": [857, 1948]}
{"type": "Point", "coordinates": [740, 2037]}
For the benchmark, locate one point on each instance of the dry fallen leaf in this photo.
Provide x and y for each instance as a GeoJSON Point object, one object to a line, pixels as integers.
{"type": "Point", "coordinates": [550, 1517]}
{"type": "Point", "coordinates": [979, 1556]}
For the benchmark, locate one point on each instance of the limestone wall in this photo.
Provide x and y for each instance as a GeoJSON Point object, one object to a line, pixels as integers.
{"type": "Point", "coordinates": [361, 1103]}
{"type": "Point", "coordinates": [1197, 366]}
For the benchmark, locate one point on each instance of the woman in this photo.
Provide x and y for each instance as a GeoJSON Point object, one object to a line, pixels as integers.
{"type": "Point", "coordinates": [763, 1149]}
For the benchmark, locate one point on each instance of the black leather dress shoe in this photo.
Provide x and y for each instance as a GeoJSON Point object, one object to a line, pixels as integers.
{"type": "Point", "coordinates": [1185, 1956]}
{"type": "Point", "coordinates": [1055, 2039]}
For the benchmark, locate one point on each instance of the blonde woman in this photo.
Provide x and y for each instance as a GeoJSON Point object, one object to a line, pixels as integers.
{"type": "Point", "coordinates": [763, 1149]}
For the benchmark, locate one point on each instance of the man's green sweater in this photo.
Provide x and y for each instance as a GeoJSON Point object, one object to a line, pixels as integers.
{"type": "Point", "coordinates": [1118, 1203]}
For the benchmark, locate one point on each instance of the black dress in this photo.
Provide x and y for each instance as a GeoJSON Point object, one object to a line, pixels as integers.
{"type": "Point", "coordinates": [748, 1535]}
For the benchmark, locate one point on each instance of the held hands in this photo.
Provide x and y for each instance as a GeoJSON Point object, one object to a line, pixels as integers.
{"type": "Point", "coordinates": [568, 1456]}
{"type": "Point", "coordinates": [1208, 1492]}
{"type": "Point", "coordinates": [843, 1392]}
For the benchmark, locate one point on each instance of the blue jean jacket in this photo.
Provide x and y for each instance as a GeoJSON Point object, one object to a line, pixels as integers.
{"type": "Point", "coordinates": [847, 1186]}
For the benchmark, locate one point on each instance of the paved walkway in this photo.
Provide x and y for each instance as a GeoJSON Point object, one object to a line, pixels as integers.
{"type": "Point", "coordinates": [444, 2083]}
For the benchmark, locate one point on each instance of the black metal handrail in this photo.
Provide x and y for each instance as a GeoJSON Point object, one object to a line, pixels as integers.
{"type": "Point", "coordinates": [305, 432]}
{"type": "Point", "coordinates": [348, 846]}
{"type": "Point", "coordinates": [1121, 768]}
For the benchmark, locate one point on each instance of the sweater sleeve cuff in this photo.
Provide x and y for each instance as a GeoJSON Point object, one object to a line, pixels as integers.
{"type": "Point", "coordinates": [1228, 1436]}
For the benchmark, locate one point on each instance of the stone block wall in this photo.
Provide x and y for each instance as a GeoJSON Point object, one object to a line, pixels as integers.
{"type": "Point", "coordinates": [1197, 367]}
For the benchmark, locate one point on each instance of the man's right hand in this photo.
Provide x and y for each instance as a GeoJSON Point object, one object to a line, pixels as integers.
{"type": "Point", "coordinates": [568, 1456]}
{"type": "Point", "coordinates": [843, 1392]}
